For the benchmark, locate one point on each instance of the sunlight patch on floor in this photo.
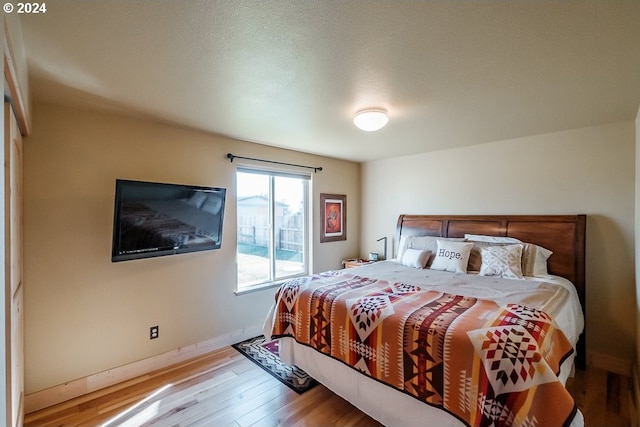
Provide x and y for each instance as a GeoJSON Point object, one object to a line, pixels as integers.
{"type": "Point", "coordinates": [148, 413]}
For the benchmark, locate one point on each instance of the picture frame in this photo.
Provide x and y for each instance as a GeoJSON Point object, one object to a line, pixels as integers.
{"type": "Point", "coordinates": [333, 217]}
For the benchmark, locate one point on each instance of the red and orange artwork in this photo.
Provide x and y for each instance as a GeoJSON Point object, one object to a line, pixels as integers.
{"type": "Point", "coordinates": [333, 217]}
{"type": "Point", "coordinates": [333, 226]}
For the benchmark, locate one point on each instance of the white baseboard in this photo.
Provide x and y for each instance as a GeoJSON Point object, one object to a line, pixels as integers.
{"type": "Point", "coordinates": [610, 363]}
{"type": "Point", "coordinates": [81, 386]}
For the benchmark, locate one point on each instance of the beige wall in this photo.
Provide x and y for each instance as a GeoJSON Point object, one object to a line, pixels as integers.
{"type": "Point", "coordinates": [588, 171]}
{"type": "Point", "coordinates": [85, 314]}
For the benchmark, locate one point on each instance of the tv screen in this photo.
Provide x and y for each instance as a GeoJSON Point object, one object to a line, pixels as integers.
{"type": "Point", "coordinates": [154, 219]}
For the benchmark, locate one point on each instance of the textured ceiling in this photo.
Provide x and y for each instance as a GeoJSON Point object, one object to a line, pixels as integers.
{"type": "Point", "coordinates": [292, 73]}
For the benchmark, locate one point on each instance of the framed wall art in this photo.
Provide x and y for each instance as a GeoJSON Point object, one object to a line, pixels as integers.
{"type": "Point", "coordinates": [333, 212]}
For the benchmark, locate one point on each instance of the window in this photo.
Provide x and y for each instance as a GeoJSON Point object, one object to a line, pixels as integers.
{"type": "Point", "coordinates": [273, 230]}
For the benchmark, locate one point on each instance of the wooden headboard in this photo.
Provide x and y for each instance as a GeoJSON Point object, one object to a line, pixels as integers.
{"type": "Point", "coordinates": [564, 235]}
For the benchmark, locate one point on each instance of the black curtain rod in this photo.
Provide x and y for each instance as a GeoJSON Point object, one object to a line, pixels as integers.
{"type": "Point", "coordinates": [315, 168]}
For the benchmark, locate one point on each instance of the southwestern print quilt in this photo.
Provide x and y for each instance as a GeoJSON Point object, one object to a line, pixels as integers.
{"type": "Point", "coordinates": [486, 364]}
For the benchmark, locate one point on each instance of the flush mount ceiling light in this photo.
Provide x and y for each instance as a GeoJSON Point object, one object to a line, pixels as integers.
{"type": "Point", "coordinates": [371, 119]}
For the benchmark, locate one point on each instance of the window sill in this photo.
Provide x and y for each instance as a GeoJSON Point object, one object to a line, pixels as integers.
{"type": "Point", "coordinates": [258, 287]}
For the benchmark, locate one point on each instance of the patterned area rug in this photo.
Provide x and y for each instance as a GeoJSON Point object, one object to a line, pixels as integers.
{"type": "Point", "coordinates": [265, 354]}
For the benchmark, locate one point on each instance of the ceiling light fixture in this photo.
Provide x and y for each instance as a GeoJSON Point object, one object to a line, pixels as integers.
{"type": "Point", "coordinates": [371, 119]}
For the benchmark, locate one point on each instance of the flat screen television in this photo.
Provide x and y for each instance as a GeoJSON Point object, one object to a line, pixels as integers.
{"type": "Point", "coordinates": [153, 219]}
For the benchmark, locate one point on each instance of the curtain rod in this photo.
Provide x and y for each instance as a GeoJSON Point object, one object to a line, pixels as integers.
{"type": "Point", "coordinates": [315, 168]}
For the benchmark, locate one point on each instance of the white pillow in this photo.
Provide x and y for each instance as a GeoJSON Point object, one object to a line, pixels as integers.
{"type": "Point", "coordinates": [425, 243]}
{"type": "Point", "coordinates": [430, 243]}
{"type": "Point", "coordinates": [415, 258]}
{"type": "Point", "coordinates": [452, 256]}
{"type": "Point", "coordinates": [534, 260]}
{"type": "Point", "coordinates": [490, 239]}
{"type": "Point", "coordinates": [403, 244]}
{"type": "Point", "coordinates": [503, 261]}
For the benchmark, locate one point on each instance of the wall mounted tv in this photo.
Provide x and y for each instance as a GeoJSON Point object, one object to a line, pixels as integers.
{"type": "Point", "coordinates": [153, 219]}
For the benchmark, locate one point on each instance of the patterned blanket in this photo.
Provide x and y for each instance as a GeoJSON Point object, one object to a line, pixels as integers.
{"type": "Point", "coordinates": [488, 365]}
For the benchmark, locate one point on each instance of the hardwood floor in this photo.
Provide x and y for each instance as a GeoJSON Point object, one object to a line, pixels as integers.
{"type": "Point", "coordinates": [225, 389]}
{"type": "Point", "coordinates": [605, 398]}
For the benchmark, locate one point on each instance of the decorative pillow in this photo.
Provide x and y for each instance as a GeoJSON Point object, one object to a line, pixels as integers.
{"type": "Point", "coordinates": [430, 243]}
{"type": "Point", "coordinates": [503, 261]}
{"type": "Point", "coordinates": [534, 260]}
{"type": "Point", "coordinates": [480, 240]}
{"type": "Point", "coordinates": [415, 258]}
{"type": "Point", "coordinates": [534, 257]}
{"type": "Point", "coordinates": [426, 243]}
{"type": "Point", "coordinates": [452, 256]}
{"type": "Point", "coordinates": [475, 258]}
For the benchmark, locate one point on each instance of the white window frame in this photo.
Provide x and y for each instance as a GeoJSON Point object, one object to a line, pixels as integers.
{"type": "Point", "coordinates": [307, 215]}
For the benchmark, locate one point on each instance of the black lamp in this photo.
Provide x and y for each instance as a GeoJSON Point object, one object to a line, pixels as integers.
{"type": "Point", "coordinates": [385, 246]}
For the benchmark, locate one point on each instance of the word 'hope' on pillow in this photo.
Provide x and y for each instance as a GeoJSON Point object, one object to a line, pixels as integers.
{"type": "Point", "coordinates": [452, 256]}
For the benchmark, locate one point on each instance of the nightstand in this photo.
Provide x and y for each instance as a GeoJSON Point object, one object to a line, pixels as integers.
{"type": "Point", "coordinates": [355, 262]}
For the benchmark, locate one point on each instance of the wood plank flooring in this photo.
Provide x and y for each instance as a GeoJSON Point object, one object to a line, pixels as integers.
{"type": "Point", "coordinates": [225, 389]}
{"type": "Point", "coordinates": [605, 398]}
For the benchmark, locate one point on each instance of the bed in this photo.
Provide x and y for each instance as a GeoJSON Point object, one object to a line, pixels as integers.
{"type": "Point", "coordinates": [487, 334]}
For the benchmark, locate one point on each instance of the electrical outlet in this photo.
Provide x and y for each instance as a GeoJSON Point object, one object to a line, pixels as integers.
{"type": "Point", "coordinates": [154, 332]}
